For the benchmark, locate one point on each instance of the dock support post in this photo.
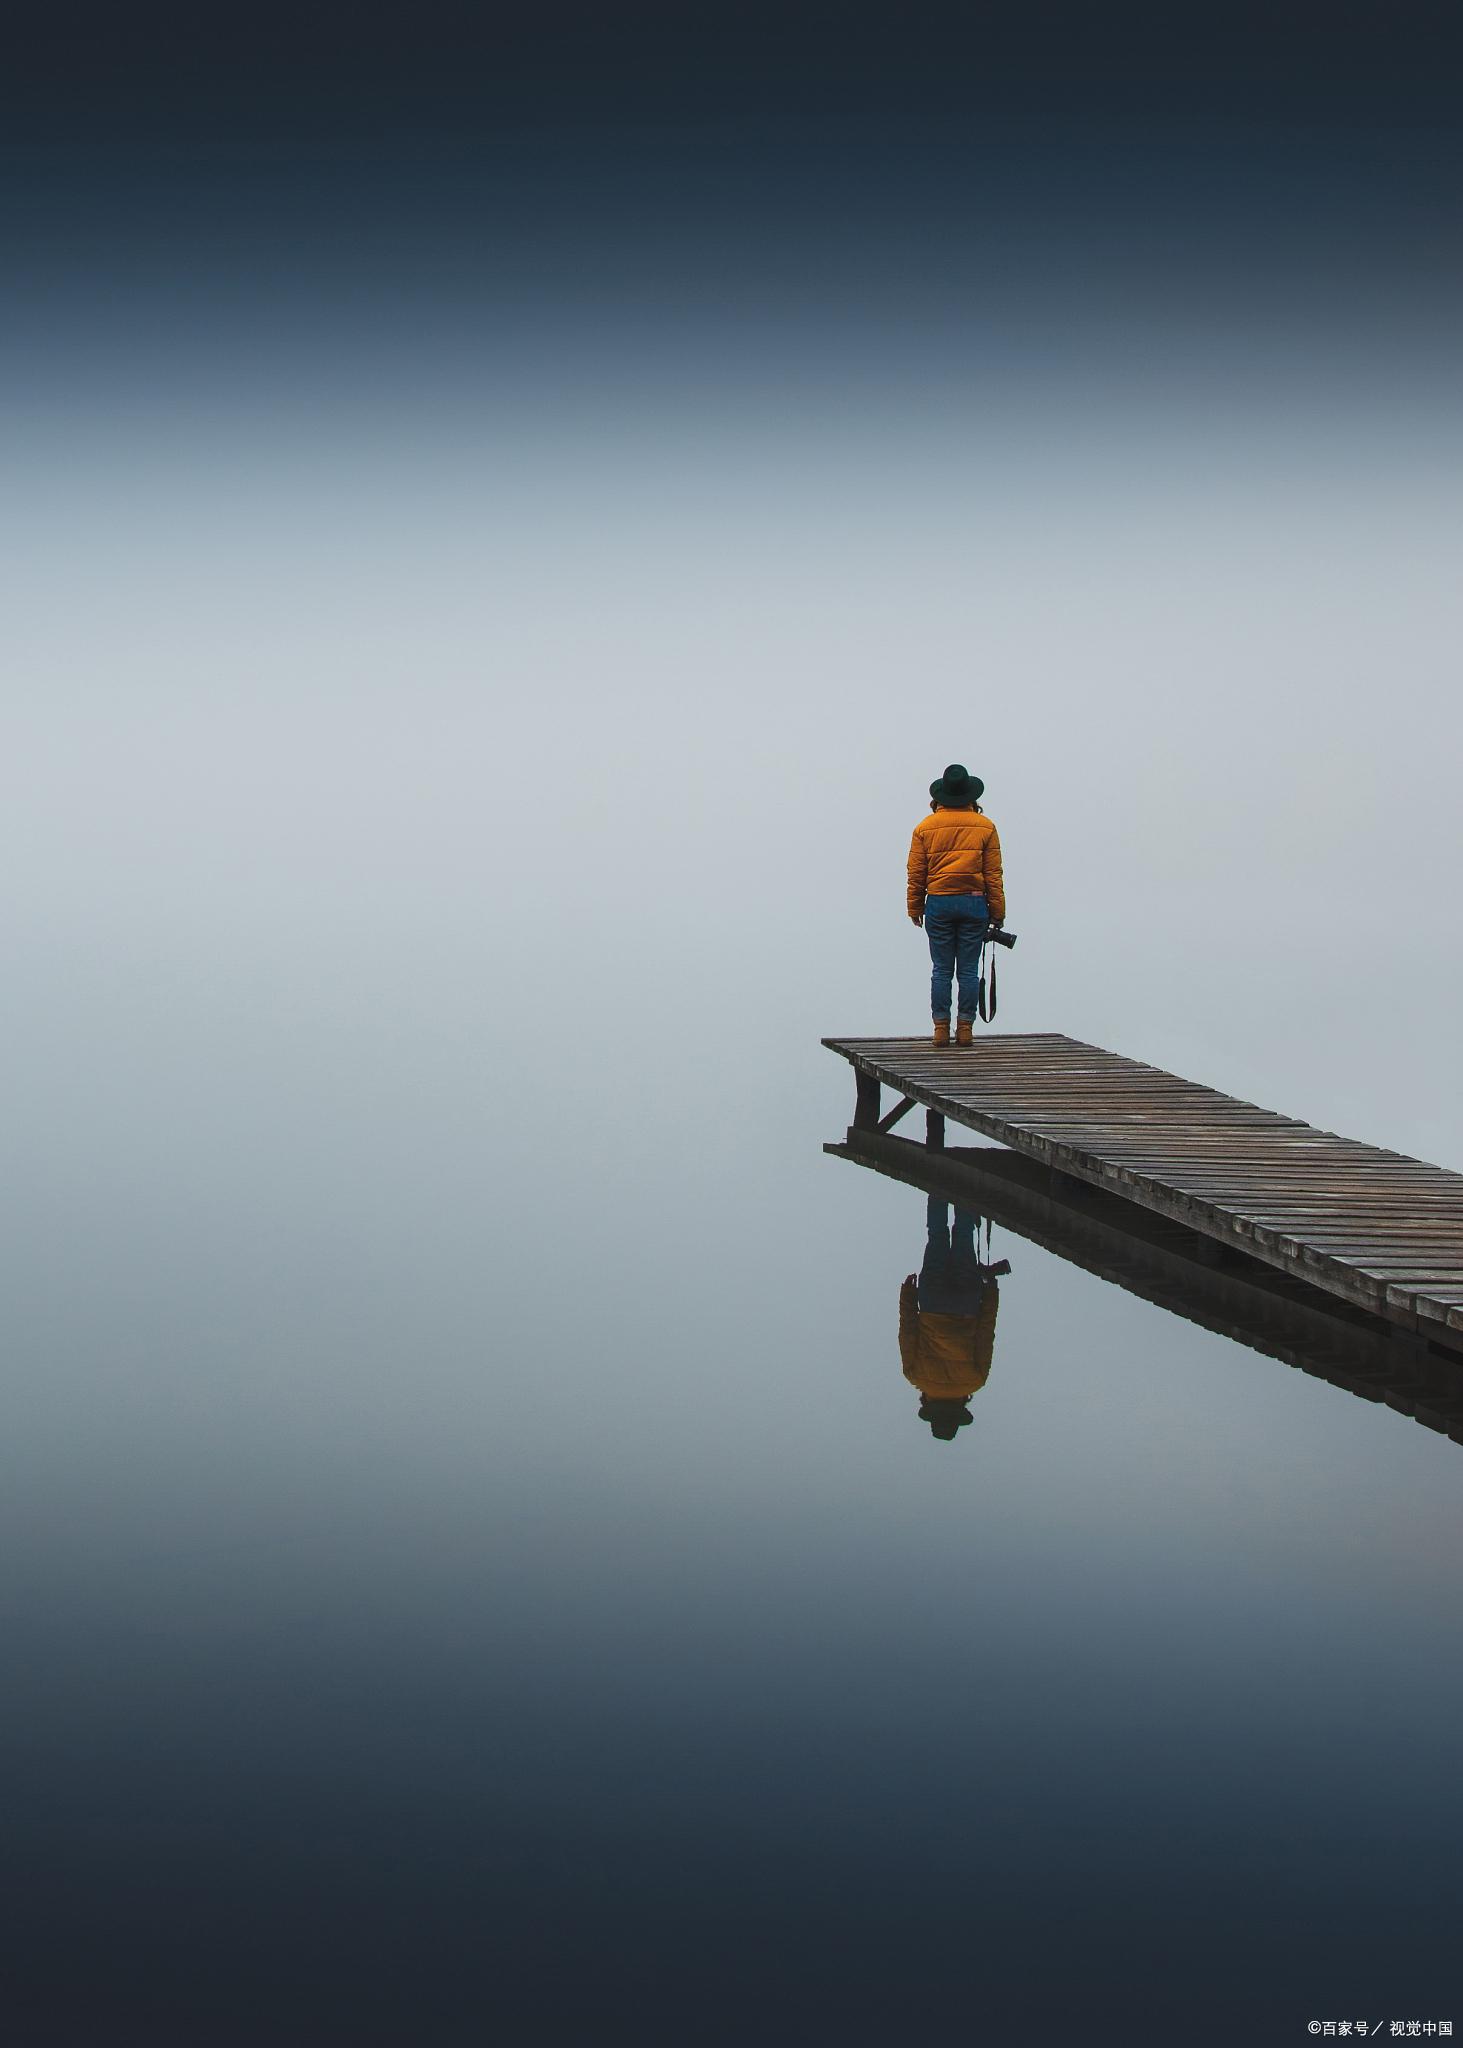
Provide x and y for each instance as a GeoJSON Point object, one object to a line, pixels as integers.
{"type": "Point", "coordinates": [934, 1130]}
{"type": "Point", "coordinates": [866, 1101]}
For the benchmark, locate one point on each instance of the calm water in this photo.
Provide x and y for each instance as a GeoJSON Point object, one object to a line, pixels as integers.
{"type": "Point", "coordinates": [475, 1570]}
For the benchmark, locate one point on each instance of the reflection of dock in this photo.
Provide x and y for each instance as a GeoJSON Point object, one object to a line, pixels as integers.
{"type": "Point", "coordinates": [1180, 1270]}
{"type": "Point", "coordinates": [1380, 1230]}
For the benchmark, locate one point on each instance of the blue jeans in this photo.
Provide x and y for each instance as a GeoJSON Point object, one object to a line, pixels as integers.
{"type": "Point", "coordinates": [955, 927]}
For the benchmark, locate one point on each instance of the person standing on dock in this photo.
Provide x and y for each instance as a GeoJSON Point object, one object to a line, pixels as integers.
{"type": "Point", "coordinates": [957, 892]}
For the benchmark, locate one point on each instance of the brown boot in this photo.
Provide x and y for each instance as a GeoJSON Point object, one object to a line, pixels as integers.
{"type": "Point", "coordinates": [942, 1030]}
{"type": "Point", "coordinates": [964, 1032]}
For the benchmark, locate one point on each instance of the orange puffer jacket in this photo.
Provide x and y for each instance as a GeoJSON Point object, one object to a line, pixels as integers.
{"type": "Point", "coordinates": [956, 853]}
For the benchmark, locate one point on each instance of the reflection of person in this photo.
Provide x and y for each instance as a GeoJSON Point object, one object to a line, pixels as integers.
{"type": "Point", "coordinates": [947, 1320]}
{"type": "Point", "coordinates": [957, 892]}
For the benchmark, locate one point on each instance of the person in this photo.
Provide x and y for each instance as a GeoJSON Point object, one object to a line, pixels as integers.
{"type": "Point", "coordinates": [957, 892]}
{"type": "Point", "coordinates": [947, 1320]}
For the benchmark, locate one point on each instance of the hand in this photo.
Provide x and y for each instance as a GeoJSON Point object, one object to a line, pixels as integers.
{"type": "Point", "coordinates": [916, 917]}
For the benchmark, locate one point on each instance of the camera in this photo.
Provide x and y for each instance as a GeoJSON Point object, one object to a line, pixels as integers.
{"type": "Point", "coordinates": [1001, 938]}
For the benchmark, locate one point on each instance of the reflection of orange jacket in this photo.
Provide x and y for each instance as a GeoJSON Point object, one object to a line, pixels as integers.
{"type": "Point", "coordinates": [946, 1357]}
{"type": "Point", "coordinates": [956, 853]}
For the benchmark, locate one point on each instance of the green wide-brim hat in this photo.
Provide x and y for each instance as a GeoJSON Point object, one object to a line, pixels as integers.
{"type": "Point", "coordinates": [957, 786]}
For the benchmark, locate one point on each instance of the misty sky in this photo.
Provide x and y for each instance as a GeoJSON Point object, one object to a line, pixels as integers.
{"type": "Point", "coordinates": [468, 488]}
{"type": "Point", "coordinates": [406, 539]}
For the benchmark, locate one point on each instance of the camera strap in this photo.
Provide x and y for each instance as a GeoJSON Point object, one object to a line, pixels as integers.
{"type": "Point", "coordinates": [987, 954]}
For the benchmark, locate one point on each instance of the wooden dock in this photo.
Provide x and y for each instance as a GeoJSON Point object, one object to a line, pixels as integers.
{"type": "Point", "coordinates": [1376, 1228]}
